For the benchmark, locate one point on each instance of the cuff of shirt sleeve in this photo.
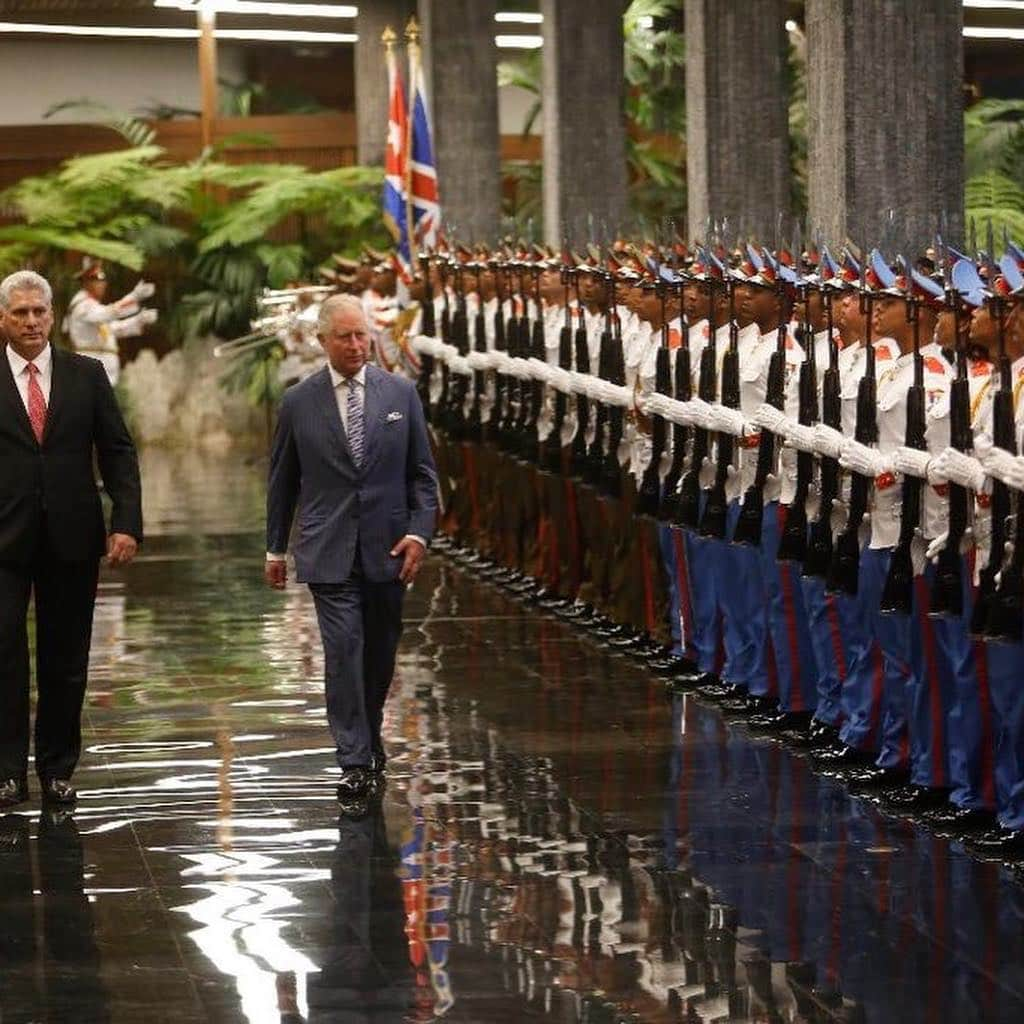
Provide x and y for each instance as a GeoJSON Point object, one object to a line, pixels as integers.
{"type": "Point", "coordinates": [417, 537]}
{"type": "Point", "coordinates": [274, 557]}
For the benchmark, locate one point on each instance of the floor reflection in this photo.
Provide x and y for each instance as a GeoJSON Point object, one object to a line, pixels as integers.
{"type": "Point", "coordinates": [557, 843]}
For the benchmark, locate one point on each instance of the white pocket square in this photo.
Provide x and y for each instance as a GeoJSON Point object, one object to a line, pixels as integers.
{"type": "Point", "coordinates": [393, 417]}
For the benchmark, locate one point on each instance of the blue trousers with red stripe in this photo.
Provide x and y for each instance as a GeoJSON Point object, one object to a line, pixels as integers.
{"type": "Point", "coordinates": [895, 636]}
{"type": "Point", "coordinates": [671, 563]}
{"type": "Point", "coordinates": [787, 619]}
{"type": "Point", "coordinates": [739, 585]}
{"type": "Point", "coordinates": [933, 689]}
{"type": "Point", "coordinates": [1006, 682]}
{"type": "Point", "coordinates": [704, 600]}
{"type": "Point", "coordinates": [971, 725]}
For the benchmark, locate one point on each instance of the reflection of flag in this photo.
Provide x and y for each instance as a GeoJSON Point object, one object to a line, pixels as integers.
{"type": "Point", "coordinates": [396, 158]}
{"type": "Point", "coordinates": [426, 203]}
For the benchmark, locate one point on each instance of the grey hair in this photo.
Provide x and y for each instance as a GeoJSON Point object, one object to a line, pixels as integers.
{"type": "Point", "coordinates": [338, 304]}
{"type": "Point", "coordinates": [24, 281]}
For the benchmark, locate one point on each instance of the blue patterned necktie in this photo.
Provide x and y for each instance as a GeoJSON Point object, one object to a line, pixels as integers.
{"type": "Point", "coordinates": [354, 410]}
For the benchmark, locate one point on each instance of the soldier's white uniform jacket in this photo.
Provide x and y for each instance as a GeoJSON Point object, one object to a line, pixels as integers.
{"type": "Point", "coordinates": [983, 390]}
{"type": "Point", "coordinates": [756, 350]}
{"type": "Point", "coordinates": [895, 377]}
{"type": "Point", "coordinates": [94, 328]}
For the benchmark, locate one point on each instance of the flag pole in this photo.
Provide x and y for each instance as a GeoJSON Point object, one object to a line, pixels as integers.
{"type": "Point", "coordinates": [412, 38]}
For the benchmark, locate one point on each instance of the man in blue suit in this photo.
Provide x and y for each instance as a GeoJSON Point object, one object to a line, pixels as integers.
{"type": "Point", "coordinates": [351, 457]}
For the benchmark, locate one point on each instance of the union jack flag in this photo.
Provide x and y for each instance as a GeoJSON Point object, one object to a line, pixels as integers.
{"type": "Point", "coordinates": [423, 191]}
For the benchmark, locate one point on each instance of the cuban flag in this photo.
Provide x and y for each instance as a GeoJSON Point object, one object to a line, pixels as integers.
{"type": "Point", "coordinates": [425, 199]}
{"type": "Point", "coordinates": [396, 166]}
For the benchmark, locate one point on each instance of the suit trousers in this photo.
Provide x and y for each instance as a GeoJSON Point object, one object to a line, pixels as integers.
{"type": "Point", "coordinates": [360, 626]}
{"type": "Point", "coordinates": [65, 594]}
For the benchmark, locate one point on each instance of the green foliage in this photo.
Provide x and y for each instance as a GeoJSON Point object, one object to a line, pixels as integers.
{"type": "Point", "coordinates": [994, 164]}
{"type": "Point", "coordinates": [992, 196]}
{"type": "Point", "coordinates": [524, 73]}
{"type": "Point", "coordinates": [254, 374]}
{"type": "Point", "coordinates": [134, 131]}
{"type": "Point", "coordinates": [796, 91]}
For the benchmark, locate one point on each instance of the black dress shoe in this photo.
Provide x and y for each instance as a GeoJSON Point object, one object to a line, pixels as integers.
{"type": "Point", "coordinates": [675, 667]}
{"type": "Point", "coordinates": [842, 758]}
{"type": "Point", "coordinates": [354, 782]}
{"type": "Point", "coordinates": [576, 610]}
{"type": "Point", "coordinates": [815, 735]}
{"type": "Point", "coordinates": [749, 704]}
{"type": "Point", "coordinates": [59, 791]}
{"type": "Point", "coordinates": [13, 792]}
{"type": "Point", "coordinates": [999, 844]}
{"type": "Point", "coordinates": [875, 778]}
{"type": "Point", "coordinates": [778, 721]}
{"type": "Point", "coordinates": [952, 821]}
{"type": "Point", "coordinates": [912, 797]}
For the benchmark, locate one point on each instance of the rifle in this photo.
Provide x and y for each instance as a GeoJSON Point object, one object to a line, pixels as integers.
{"type": "Point", "coordinates": [579, 442]}
{"type": "Point", "coordinates": [898, 592]}
{"type": "Point", "coordinates": [793, 542]}
{"type": "Point", "coordinates": [819, 544]}
{"type": "Point", "coordinates": [751, 518]}
{"type": "Point", "coordinates": [537, 351]}
{"type": "Point", "coordinates": [595, 455]}
{"type": "Point", "coordinates": [427, 328]}
{"type": "Point", "coordinates": [611, 479]}
{"type": "Point", "coordinates": [845, 568]}
{"type": "Point", "coordinates": [552, 456]}
{"type": "Point", "coordinates": [1003, 436]}
{"type": "Point", "coordinates": [947, 589]}
{"type": "Point", "coordinates": [502, 388]}
{"type": "Point", "coordinates": [649, 493]}
{"type": "Point", "coordinates": [713, 522]}
{"type": "Point", "coordinates": [519, 344]}
{"type": "Point", "coordinates": [459, 386]}
{"type": "Point", "coordinates": [670, 502]}
{"type": "Point", "coordinates": [707, 390]}
{"type": "Point", "coordinates": [474, 422]}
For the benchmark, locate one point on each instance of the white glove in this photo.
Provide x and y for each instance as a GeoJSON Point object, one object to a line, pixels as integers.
{"type": "Point", "coordinates": [828, 441]}
{"type": "Point", "coordinates": [961, 469]}
{"type": "Point", "coordinates": [1000, 464]}
{"type": "Point", "coordinates": [539, 370]}
{"type": "Point", "coordinates": [148, 316]}
{"type": "Point", "coordinates": [912, 462]}
{"type": "Point", "coordinates": [560, 380]}
{"type": "Point", "coordinates": [459, 365]}
{"type": "Point", "coordinates": [727, 421]}
{"type": "Point", "coordinates": [769, 418]}
{"type": "Point", "coordinates": [801, 437]}
{"type": "Point", "coordinates": [694, 413]}
{"type": "Point", "coordinates": [706, 475]}
{"type": "Point", "coordinates": [142, 290]}
{"type": "Point", "coordinates": [937, 546]}
{"type": "Point", "coordinates": [863, 460]}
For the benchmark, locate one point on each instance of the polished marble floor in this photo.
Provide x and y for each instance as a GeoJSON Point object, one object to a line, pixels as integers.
{"type": "Point", "coordinates": [557, 842]}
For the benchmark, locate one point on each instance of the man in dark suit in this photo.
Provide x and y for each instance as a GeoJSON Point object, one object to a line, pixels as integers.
{"type": "Point", "coordinates": [58, 409]}
{"type": "Point", "coordinates": [351, 455]}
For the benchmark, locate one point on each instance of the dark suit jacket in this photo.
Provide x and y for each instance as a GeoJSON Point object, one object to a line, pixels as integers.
{"type": "Point", "coordinates": [341, 506]}
{"type": "Point", "coordinates": [52, 485]}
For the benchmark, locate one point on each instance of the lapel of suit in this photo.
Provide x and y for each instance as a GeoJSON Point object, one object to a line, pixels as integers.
{"type": "Point", "coordinates": [9, 391]}
{"type": "Point", "coordinates": [373, 407]}
{"type": "Point", "coordinates": [327, 400]}
{"type": "Point", "coordinates": [60, 370]}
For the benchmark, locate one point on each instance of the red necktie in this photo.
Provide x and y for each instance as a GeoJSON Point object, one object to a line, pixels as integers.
{"type": "Point", "coordinates": [36, 403]}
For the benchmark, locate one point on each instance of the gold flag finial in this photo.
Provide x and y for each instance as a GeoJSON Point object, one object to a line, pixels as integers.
{"type": "Point", "coordinates": [388, 38]}
{"type": "Point", "coordinates": [412, 32]}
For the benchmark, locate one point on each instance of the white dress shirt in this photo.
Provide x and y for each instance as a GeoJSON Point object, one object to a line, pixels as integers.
{"type": "Point", "coordinates": [341, 385]}
{"type": "Point", "coordinates": [44, 363]}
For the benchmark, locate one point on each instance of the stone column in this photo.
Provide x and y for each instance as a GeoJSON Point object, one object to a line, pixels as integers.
{"type": "Point", "coordinates": [584, 119]}
{"type": "Point", "coordinates": [371, 73]}
{"type": "Point", "coordinates": [461, 66]}
{"type": "Point", "coordinates": [885, 120]}
{"type": "Point", "coordinates": [737, 131]}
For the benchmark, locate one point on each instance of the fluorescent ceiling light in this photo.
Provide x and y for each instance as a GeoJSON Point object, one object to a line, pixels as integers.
{"type": "Point", "coordinates": [112, 31]}
{"type": "Point", "coordinates": [519, 42]}
{"type": "Point", "coordinates": [977, 32]}
{"type": "Point", "coordinates": [259, 7]}
{"type": "Point", "coordinates": [281, 36]}
{"type": "Point", "coordinates": [519, 17]}
{"type": "Point", "coordinates": [996, 5]}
